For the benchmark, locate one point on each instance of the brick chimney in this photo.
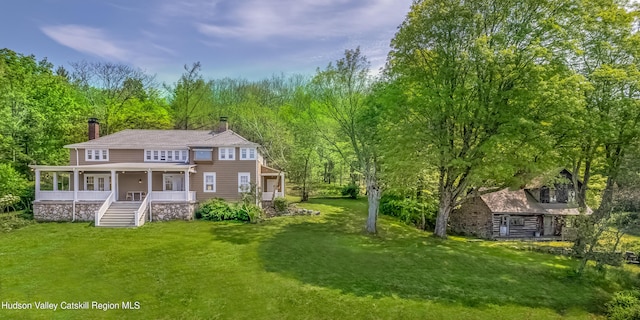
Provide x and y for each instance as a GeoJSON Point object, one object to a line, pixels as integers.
{"type": "Point", "coordinates": [223, 125]}
{"type": "Point", "coordinates": [94, 129]}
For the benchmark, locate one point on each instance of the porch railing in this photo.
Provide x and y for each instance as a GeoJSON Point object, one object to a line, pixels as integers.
{"type": "Point", "coordinates": [68, 195]}
{"type": "Point", "coordinates": [141, 213]}
{"type": "Point", "coordinates": [107, 203]}
{"type": "Point", "coordinates": [172, 196]}
{"type": "Point", "coordinates": [268, 196]}
{"type": "Point", "coordinates": [93, 195]}
{"type": "Point", "coordinates": [54, 195]}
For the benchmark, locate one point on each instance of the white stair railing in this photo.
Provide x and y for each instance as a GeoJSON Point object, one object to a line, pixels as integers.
{"type": "Point", "coordinates": [105, 206]}
{"type": "Point", "coordinates": [141, 213]}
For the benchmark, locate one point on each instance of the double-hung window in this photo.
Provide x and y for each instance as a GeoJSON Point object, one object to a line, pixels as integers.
{"type": "Point", "coordinates": [226, 153]}
{"type": "Point", "coordinates": [209, 181]}
{"type": "Point", "coordinates": [247, 153]}
{"type": "Point", "coordinates": [244, 181]}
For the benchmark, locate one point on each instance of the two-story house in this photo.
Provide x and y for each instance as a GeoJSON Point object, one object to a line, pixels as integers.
{"type": "Point", "coordinates": [537, 211]}
{"type": "Point", "coordinates": [133, 176]}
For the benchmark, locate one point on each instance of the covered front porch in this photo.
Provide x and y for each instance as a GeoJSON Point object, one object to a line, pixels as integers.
{"type": "Point", "coordinates": [144, 186]}
{"type": "Point", "coordinates": [272, 182]}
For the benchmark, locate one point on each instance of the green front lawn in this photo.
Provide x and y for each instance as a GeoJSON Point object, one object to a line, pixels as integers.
{"type": "Point", "coordinates": [312, 267]}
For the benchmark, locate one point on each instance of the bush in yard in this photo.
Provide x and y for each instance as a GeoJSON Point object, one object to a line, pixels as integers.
{"type": "Point", "coordinates": [12, 221]}
{"type": "Point", "coordinates": [280, 204]}
{"type": "Point", "coordinates": [352, 190]}
{"type": "Point", "coordinates": [215, 210]}
{"type": "Point", "coordinates": [250, 212]}
{"type": "Point", "coordinates": [625, 305]}
{"type": "Point", "coordinates": [220, 210]}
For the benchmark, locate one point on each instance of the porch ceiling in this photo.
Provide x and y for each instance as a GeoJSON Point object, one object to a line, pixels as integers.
{"type": "Point", "coordinates": [132, 166]}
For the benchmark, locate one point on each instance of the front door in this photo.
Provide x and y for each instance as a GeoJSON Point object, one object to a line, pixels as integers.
{"type": "Point", "coordinates": [271, 185]}
{"type": "Point", "coordinates": [548, 226]}
{"type": "Point", "coordinates": [504, 226]}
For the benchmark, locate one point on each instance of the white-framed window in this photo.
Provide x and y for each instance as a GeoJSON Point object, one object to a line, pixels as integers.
{"type": "Point", "coordinates": [165, 156]}
{"type": "Point", "coordinates": [96, 154]}
{"type": "Point", "coordinates": [173, 182]}
{"type": "Point", "coordinates": [244, 181]}
{"type": "Point", "coordinates": [202, 154]}
{"type": "Point", "coordinates": [209, 181]}
{"type": "Point", "coordinates": [97, 182]}
{"type": "Point", "coordinates": [226, 153]}
{"type": "Point", "coordinates": [247, 153]}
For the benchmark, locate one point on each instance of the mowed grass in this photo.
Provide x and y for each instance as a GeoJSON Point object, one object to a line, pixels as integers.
{"type": "Point", "coordinates": [305, 267]}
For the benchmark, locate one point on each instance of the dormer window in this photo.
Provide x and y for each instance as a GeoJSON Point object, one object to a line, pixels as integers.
{"type": "Point", "coordinates": [97, 154]}
{"type": "Point", "coordinates": [202, 154]}
{"type": "Point", "coordinates": [165, 155]}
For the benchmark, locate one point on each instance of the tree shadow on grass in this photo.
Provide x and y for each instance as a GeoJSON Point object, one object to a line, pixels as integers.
{"type": "Point", "coordinates": [405, 263]}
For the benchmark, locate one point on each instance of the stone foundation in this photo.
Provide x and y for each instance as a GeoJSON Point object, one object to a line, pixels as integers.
{"type": "Point", "coordinates": [163, 211]}
{"type": "Point", "coordinates": [63, 210]}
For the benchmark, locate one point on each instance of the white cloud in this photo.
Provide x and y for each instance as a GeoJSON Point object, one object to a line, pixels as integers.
{"type": "Point", "coordinates": [256, 20]}
{"type": "Point", "coordinates": [141, 52]}
{"type": "Point", "coordinates": [88, 40]}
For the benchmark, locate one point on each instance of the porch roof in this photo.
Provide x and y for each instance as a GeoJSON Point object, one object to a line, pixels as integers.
{"type": "Point", "coordinates": [126, 166]}
{"type": "Point", "coordinates": [268, 171]}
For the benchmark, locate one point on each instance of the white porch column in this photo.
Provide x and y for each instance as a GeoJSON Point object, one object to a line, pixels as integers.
{"type": "Point", "coordinates": [76, 183]}
{"type": "Point", "coordinates": [37, 182]}
{"type": "Point", "coordinates": [55, 181]}
{"type": "Point", "coordinates": [186, 184]}
{"type": "Point", "coordinates": [149, 182]}
{"type": "Point", "coordinates": [114, 187]}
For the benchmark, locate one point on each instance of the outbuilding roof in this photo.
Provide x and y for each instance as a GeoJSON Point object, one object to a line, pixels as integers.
{"type": "Point", "coordinates": [512, 201]}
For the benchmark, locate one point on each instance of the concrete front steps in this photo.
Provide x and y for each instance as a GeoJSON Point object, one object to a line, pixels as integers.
{"type": "Point", "coordinates": [120, 214]}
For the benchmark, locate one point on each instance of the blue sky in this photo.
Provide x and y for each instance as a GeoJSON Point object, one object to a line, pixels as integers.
{"type": "Point", "coordinates": [243, 38]}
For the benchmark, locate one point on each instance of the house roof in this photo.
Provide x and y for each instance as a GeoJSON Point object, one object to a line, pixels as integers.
{"type": "Point", "coordinates": [151, 139]}
{"type": "Point", "coordinates": [512, 201]}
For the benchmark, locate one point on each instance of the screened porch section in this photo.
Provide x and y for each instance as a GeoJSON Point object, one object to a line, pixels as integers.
{"type": "Point", "coordinates": [127, 182]}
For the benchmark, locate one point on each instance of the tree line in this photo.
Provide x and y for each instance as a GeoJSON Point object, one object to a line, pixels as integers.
{"type": "Point", "coordinates": [475, 96]}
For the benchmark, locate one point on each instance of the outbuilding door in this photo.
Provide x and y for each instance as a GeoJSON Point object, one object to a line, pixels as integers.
{"type": "Point", "coordinates": [548, 225]}
{"type": "Point", "coordinates": [504, 226]}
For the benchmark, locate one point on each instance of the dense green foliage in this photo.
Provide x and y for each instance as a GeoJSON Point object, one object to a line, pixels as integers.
{"type": "Point", "coordinates": [351, 190]}
{"type": "Point", "coordinates": [418, 213]}
{"type": "Point", "coordinates": [625, 305]}
{"type": "Point", "coordinates": [220, 210]}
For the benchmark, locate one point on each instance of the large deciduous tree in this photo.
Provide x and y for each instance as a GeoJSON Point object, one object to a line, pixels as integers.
{"type": "Point", "coordinates": [39, 112]}
{"type": "Point", "coordinates": [191, 100]}
{"type": "Point", "coordinates": [478, 83]}
{"type": "Point", "coordinates": [348, 121]}
{"type": "Point", "coordinates": [608, 55]}
{"type": "Point", "coordinates": [110, 88]}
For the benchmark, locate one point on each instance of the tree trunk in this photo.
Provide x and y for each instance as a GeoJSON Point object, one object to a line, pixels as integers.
{"type": "Point", "coordinates": [305, 193]}
{"type": "Point", "coordinates": [606, 205]}
{"type": "Point", "coordinates": [373, 194]}
{"type": "Point", "coordinates": [582, 194]}
{"type": "Point", "coordinates": [444, 209]}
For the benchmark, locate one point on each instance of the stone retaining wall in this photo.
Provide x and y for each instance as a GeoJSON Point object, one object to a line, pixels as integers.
{"type": "Point", "coordinates": [63, 210]}
{"type": "Point", "coordinates": [163, 211]}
